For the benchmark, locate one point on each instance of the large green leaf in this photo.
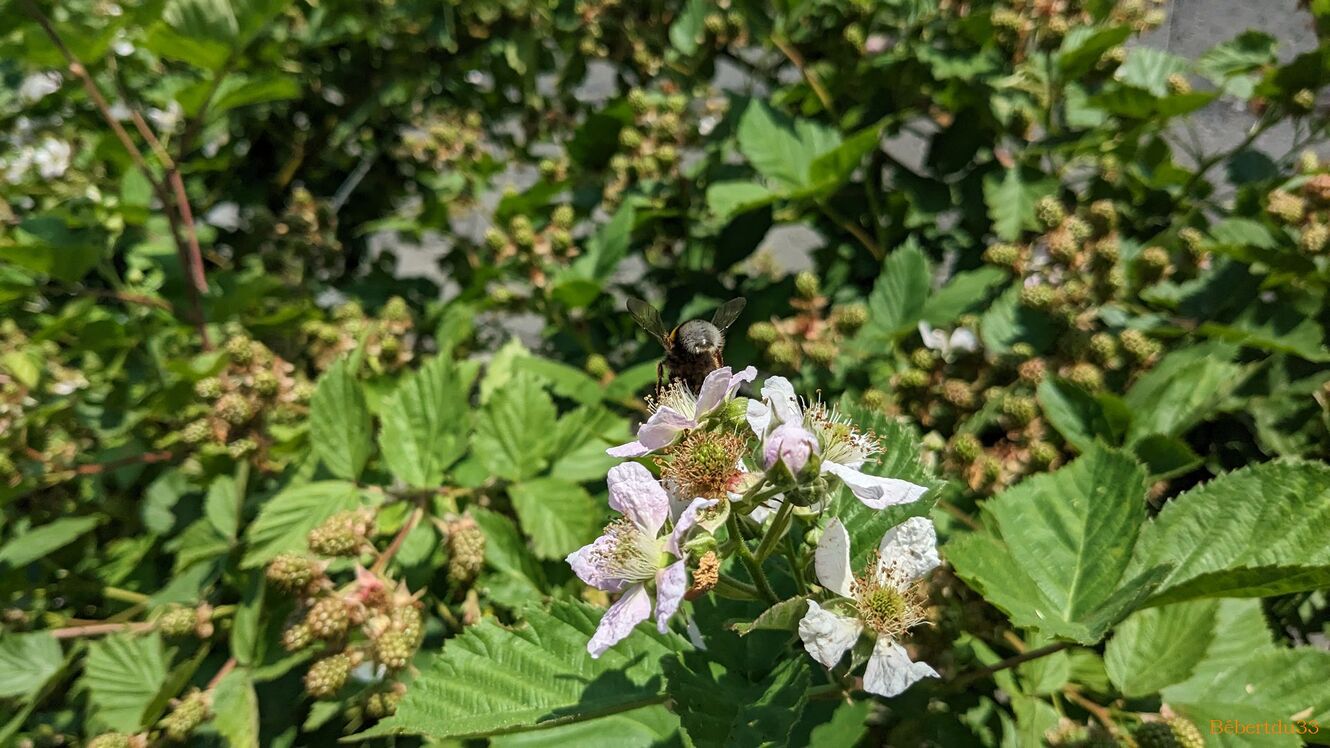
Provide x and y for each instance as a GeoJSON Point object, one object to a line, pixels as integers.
{"type": "Point", "coordinates": [1182, 390]}
{"type": "Point", "coordinates": [515, 433]}
{"type": "Point", "coordinates": [36, 543]}
{"type": "Point", "coordinates": [899, 295]}
{"type": "Point", "coordinates": [339, 422]}
{"type": "Point", "coordinates": [1255, 532]}
{"type": "Point", "coordinates": [425, 422]}
{"type": "Point", "coordinates": [493, 679]}
{"type": "Point", "coordinates": [1058, 558]}
{"type": "Point", "coordinates": [235, 708]}
{"type": "Point", "coordinates": [965, 293]}
{"type": "Point", "coordinates": [1150, 68]}
{"type": "Point", "coordinates": [1079, 416]}
{"type": "Point", "coordinates": [558, 516]}
{"type": "Point", "coordinates": [285, 520]}
{"type": "Point", "coordinates": [648, 727]}
{"type": "Point", "coordinates": [123, 674]}
{"type": "Point", "coordinates": [1011, 196]}
{"type": "Point", "coordinates": [1158, 647]}
{"type": "Point", "coordinates": [27, 661]}
{"type": "Point", "coordinates": [780, 149]}
{"type": "Point", "coordinates": [719, 708]}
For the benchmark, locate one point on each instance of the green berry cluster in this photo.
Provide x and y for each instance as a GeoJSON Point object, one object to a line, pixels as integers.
{"type": "Point", "coordinates": [466, 551]}
{"type": "Point", "coordinates": [343, 534]}
{"type": "Point", "coordinates": [814, 334]}
{"type": "Point", "coordinates": [187, 714]}
{"type": "Point", "coordinates": [537, 253]}
{"type": "Point", "coordinates": [385, 340]}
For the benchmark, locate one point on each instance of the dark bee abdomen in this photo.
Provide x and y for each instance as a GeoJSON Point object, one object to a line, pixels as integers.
{"type": "Point", "coordinates": [692, 368]}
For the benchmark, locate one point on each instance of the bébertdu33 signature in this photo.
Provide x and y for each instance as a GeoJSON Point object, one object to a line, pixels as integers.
{"type": "Point", "coordinates": [1303, 727]}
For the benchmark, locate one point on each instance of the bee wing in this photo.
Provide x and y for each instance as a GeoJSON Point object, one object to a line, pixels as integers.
{"type": "Point", "coordinates": [728, 313]}
{"type": "Point", "coordinates": [647, 316]}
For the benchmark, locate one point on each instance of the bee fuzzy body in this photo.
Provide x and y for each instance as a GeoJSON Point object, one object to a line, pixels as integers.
{"type": "Point", "coordinates": [693, 349]}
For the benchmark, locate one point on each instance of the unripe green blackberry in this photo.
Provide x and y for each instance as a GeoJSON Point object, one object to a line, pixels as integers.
{"type": "Point", "coordinates": [110, 740]}
{"type": "Point", "coordinates": [1079, 228]}
{"type": "Point", "coordinates": [1003, 255]}
{"type": "Point", "coordinates": [638, 101]}
{"type": "Point", "coordinates": [563, 216]}
{"type": "Point", "coordinates": [1314, 238]}
{"type": "Point", "coordinates": [849, 317]}
{"type": "Point", "coordinates": [1154, 261]}
{"type": "Point", "coordinates": [395, 310]}
{"type": "Point", "coordinates": [473, 120]}
{"type": "Point", "coordinates": [524, 236]}
{"type": "Point", "coordinates": [382, 704]}
{"type": "Point", "coordinates": [7, 467]}
{"type": "Point", "coordinates": [410, 622]}
{"type": "Point", "coordinates": [821, 352]}
{"type": "Point", "coordinates": [1049, 212]}
{"type": "Point", "coordinates": [209, 388]}
{"type": "Point", "coordinates": [196, 432]}
{"type": "Point", "coordinates": [1185, 732]}
{"type": "Point", "coordinates": [1075, 292]}
{"type": "Point", "coordinates": [1192, 240]}
{"type": "Point", "coordinates": [1103, 216]}
{"type": "Point", "coordinates": [240, 349]}
{"type": "Point", "coordinates": [1138, 345]}
{"type": "Point", "coordinates": [1087, 376]}
{"type": "Point", "coordinates": [1286, 207]}
{"type": "Point", "coordinates": [762, 333]}
{"type": "Point", "coordinates": [1304, 101]}
{"type": "Point", "coordinates": [1154, 735]}
{"type": "Point", "coordinates": [669, 126]}
{"type": "Point", "coordinates": [912, 379]}
{"type": "Point", "coordinates": [1178, 84]}
{"type": "Point", "coordinates": [1106, 250]}
{"type": "Point", "coordinates": [667, 155]}
{"type": "Point", "coordinates": [958, 393]}
{"type": "Point", "coordinates": [785, 353]}
{"type": "Point", "coordinates": [241, 447]}
{"type": "Point", "coordinates": [266, 383]}
{"type": "Point", "coordinates": [1006, 20]}
{"type": "Point", "coordinates": [188, 714]}
{"type": "Point", "coordinates": [1032, 371]}
{"type": "Point", "coordinates": [234, 408]}
{"type": "Point", "coordinates": [874, 399]}
{"type": "Point", "coordinates": [807, 285]}
{"type": "Point", "coordinates": [1042, 454]}
{"type": "Point", "coordinates": [495, 239]}
{"type": "Point", "coordinates": [676, 103]}
{"type": "Point", "coordinates": [1104, 348]}
{"type": "Point", "coordinates": [923, 358]}
{"type": "Point", "coordinates": [1062, 246]}
{"type": "Point", "coordinates": [1308, 162]}
{"type": "Point", "coordinates": [328, 618]}
{"type": "Point", "coordinates": [342, 534]}
{"type": "Point", "coordinates": [965, 448]}
{"type": "Point", "coordinates": [646, 166]}
{"type": "Point", "coordinates": [393, 649]}
{"type": "Point", "coordinates": [561, 239]}
{"type": "Point", "coordinates": [327, 676]}
{"type": "Point", "coordinates": [1039, 296]}
{"type": "Point", "coordinates": [466, 551]}
{"type": "Point", "coordinates": [1020, 408]}
{"type": "Point", "coordinates": [296, 637]}
{"type": "Point", "coordinates": [290, 572]}
{"type": "Point", "coordinates": [178, 622]}
{"type": "Point", "coordinates": [597, 366]}
{"type": "Point", "coordinates": [990, 469]}
{"type": "Point", "coordinates": [630, 138]}
{"type": "Point", "coordinates": [1054, 30]}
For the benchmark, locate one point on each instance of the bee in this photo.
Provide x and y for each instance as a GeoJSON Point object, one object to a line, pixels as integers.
{"type": "Point", "coordinates": [695, 348]}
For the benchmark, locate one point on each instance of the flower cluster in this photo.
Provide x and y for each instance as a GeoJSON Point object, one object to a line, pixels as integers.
{"type": "Point", "coordinates": [751, 466]}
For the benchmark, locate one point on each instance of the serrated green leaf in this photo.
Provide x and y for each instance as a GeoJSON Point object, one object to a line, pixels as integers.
{"type": "Point", "coordinates": [515, 433]}
{"type": "Point", "coordinates": [780, 149]}
{"type": "Point", "coordinates": [1008, 322]}
{"type": "Point", "coordinates": [648, 727]}
{"type": "Point", "coordinates": [965, 293]}
{"type": "Point", "coordinates": [783, 616]}
{"type": "Point", "coordinates": [493, 679]}
{"type": "Point", "coordinates": [285, 520]}
{"type": "Point", "coordinates": [1257, 531]}
{"type": "Point", "coordinates": [1150, 68]}
{"type": "Point", "coordinates": [27, 661]}
{"type": "Point", "coordinates": [686, 33]}
{"type": "Point", "coordinates": [41, 541]}
{"type": "Point", "coordinates": [123, 674]}
{"type": "Point", "coordinates": [1011, 195]}
{"type": "Point", "coordinates": [728, 199]}
{"type": "Point", "coordinates": [1181, 390]}
{"type": "Point", "coordinates": [899, 295]}
{"type": "Point", "coordinates": [339, 422]}
{"type": "Point", "coordinates": [1078, 416]}
{"type": "Point", "coordinates": [558, 516]}
{"type": "Point", "coordinates": [1158, 647]}
{"type": "Point", "coordinates": [720, 708]}
{"type": "Point", "coordinates": [235, 710]}
{"type": "Point", "coordinates": [424, 424]}
{"type": "Point", "coordinates": [1059, 558]}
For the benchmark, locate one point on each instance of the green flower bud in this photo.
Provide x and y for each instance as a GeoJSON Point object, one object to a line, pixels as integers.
{"type": "Point", "coordinates": [821, 352]}
{"type": "Point", "coordinates": [209, 388]}
{"type": "Point", "coordinates": [638, 101]}
{"type": "Point", "coordinates": [342, 534]}
{"type": "Point", "coordinates": [240, 349]}
{"type": "Point", "coordinates": [965, 448]}
{"type": "Point", "coordinates": [923, 358]}
{"type": "Point", "coordinates": [1103, 216]}
{"type": "Point", "coordinates": [234, 408]}
{"type": "Point", "coordinates": [874, 399]}
{"type": "Point", "coordinates": [912, 379]}
{"type": "Point", "coordinates": [394, 649]}
{"type": "Point", "coordinates": [1020, 408]}
{"type": "Point", "coordinates": [1087, 376]}
{"type": "Point", "coordinates": [630, 138]}
{"type": "Point", "coordinates": [328, 618]}
{"type": "Point", "coordinates": [1304, 101]}
{"type": "Point", "coordinates": [849, 317]}
{"type": "Point", "coordinates": [297, 637]}
{"type": "Point", "coordinates": [597, 366]}
{"type": "Point", "coordinates": [563, 217]}
{"type": "Point", "coordinates": [1039, 296]}
{"type": "Point", "coordinates": [1003, 255]}
{"type": "Point", "coordinates": [784, 353]}
{"type": "Point", "coordinates": [196, 432]}
{"type": "Point", "coordinates": [1043, 454]}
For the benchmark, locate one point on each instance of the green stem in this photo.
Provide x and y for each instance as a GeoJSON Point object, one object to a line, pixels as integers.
{"type": "Point", "coordinates": [730, 587]}
{"type": "Point", "coordinates": [775, 532]}
{"type": "Point", "coordinates": [751, 563]}
{"type": "Point", "coordinates": [124, 596]}
{"type": "Point", "coordinates": [796, 568]}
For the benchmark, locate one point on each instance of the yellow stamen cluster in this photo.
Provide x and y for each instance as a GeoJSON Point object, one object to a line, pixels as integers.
{"type": "Point", "coordinates": [703, 464]}
{"type": "Point", "coordinates": [887, 604]}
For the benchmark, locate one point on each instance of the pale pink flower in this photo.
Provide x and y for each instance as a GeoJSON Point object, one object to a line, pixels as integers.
{"type": "Point", "coordinates": [680, 410]}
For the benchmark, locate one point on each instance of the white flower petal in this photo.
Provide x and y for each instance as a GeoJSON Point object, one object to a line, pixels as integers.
{"type": "Point", "coordinates": [831, 560]}
{"type": "Point", "coordinates": [874, 491]}
{"type": "Point", "coordinates": [671, 584]}
{"type": "Point", "coordinates": [779, 394]}
{"type": "Point", "coordinates": [932, 340]}
{"type": "Point", "coordinates": [662, 427]}
{"type": "Point", "coordinates": [827, 636]}
{"type": "Point", "coordinates": [911, 548]}
{"type": "Point", "coordinates": [687, 520]}
{"type": "Point", "coordinates": [584, 566]}
{"type": "Point", "coordinates": [636, 492]}
{"type": "Point", "coordinates": [758, 416]}
{"type": "Point", "coordinates": [962, 339]}
{"type": "Point", "coordinates": [631, 449]}
{"type": "Point", "coordinates": [714, 389]}
{"type": "Point", "coordinates": [890, 670]}
{"type": "Point", "coordinates": [620, 620]}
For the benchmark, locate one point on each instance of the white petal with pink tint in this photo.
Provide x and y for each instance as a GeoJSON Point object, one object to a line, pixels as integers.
{"type": "Point", "coordinates": [831, 560]}
{"type": "Point", "coordinates": [620, 620]}
{"type": "Point", "coordinates": [874, 491]}
{"type": "Point", "coordinates": [826, 635]}
{"type": "Point", "coordinates": [911, 548]}
{"type": "Point", "coordinates": [636, 492]}
{"type": "Point", "coordinates": [671, 584]}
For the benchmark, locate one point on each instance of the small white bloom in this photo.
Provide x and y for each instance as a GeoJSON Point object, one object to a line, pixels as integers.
{"type": "Point", "coordinates": [885, 602]}
{"type": "Point", "coordinates": [166, 119]}
{"type": "Point", "coordinates": [961, 339]}
{"type": "Point", "coordinates": [52, 158]}
{"type": "Point", "coordinates": [38, 86]}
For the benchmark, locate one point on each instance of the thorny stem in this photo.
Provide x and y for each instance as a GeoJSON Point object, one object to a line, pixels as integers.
{"type": "Point", "coordinates": [751, 563]}
{"type": "Point", "coordinates": [814, 82]}
{"type": "Point", "coordinates": [1010, 662]}
{"type": "Point", "coordinates": [97, 629]}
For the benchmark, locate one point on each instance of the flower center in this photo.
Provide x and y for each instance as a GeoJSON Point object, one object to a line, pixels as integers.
{"type": "Point", "coordinates": [885, 604]}
{"type": "Point", "coordinates": [628, 553]}
{"type": "Point", "coordinates": [841, 442]}
{"type": "Point", "coordinates": [703, 464]}
{"type": "Point", "coordinates": [677, 397]}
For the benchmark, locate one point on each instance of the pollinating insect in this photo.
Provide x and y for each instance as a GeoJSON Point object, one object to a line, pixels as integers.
{"type": "Point", "coordinates": [693, 349]}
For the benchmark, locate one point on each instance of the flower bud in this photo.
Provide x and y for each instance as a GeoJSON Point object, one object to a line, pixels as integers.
{"type": "Point", "coordinates": [762, 333]}
{"type": "Point", "coordinates": [790, 444]}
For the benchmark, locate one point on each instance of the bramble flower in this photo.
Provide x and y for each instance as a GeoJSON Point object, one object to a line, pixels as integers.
{"type": "Point", "coordinates": [633, 558]}
{"type": "Point", "coordinates": [960, 339]}
{"type": "Point", "coordinates": [679, 410]}
{"type": "Point", "coordinates": [886, 601]}
{"type": "Point", "coordinates": [843, 447]}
